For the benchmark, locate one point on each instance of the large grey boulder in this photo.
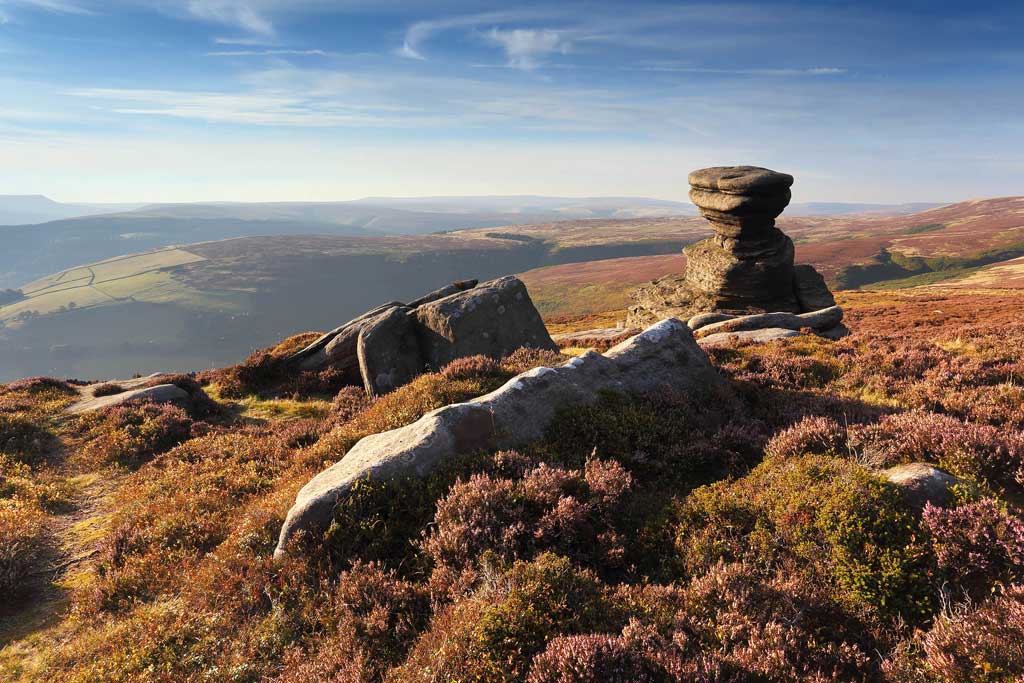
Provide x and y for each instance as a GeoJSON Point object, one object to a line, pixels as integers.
{"type": "Point", "coordinates": [161, 393]}
{"type": "Point", "coordinates": [386, 347]}
{"type": "Point", "coordinates": [493, 319]}
{"type": "Point", "coordinates": [388, 351]}
{"type": "Point", "coordinates": [922, 483]}
{"type": "Point", "coordinates": [514, 415]}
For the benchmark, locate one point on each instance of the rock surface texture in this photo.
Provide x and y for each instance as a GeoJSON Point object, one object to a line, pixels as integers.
{"type": "Point", "coordinates": [747, 265]}
{"type": "Point", "coordinates": [511, 416]}
{"type": "Point", "coordinates": [386, 347]}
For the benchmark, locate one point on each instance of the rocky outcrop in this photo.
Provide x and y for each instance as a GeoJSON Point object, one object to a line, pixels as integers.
{"type": "Point", "coordinates": [747, 266]}
{"type": "Point", "coordinates": [922, 484]}
{"type": "Point", "coordinates": [386, 347]}
{"type": "Point", "coordinates": [514, 415]}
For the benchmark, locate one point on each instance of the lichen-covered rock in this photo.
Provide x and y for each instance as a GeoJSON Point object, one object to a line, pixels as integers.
{"type": "Point", "coordinates": [386, 347]}
{"type": "Point", "coordinates": [388, 350]}
{"type": "Point", "coordinates": [493, 319]}
{"type": "Point", "coordinates": [513, 415]}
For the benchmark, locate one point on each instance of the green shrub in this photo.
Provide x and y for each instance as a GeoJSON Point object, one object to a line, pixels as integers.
{"type": "Point", "coordinates": [492, 636]}
{"type": "Point", "coordinates": [829, 517]}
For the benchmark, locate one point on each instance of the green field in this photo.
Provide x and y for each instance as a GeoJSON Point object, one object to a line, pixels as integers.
{"type": "Point", "coordinates": [145, 277]}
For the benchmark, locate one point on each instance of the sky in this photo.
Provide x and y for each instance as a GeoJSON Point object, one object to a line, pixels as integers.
{"type": "Point", "coordinates": [310, 100]}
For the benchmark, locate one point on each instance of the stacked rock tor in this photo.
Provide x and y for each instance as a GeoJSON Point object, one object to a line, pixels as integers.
{"type": "Point", "coordinates": [747, 266]}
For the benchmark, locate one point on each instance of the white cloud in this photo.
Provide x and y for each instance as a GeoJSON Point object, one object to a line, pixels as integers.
{"type": "Point", "coordinates": [525, 48]}
{"type": "Point", "coordinates": [422, 31]}
{"type": "Point", "coordinates": [232, 13]}
{"type": "Point", "coordinates": [270, 53]}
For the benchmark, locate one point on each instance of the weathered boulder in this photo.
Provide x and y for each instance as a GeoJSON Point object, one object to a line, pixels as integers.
{"type": "Point", "coordinates": [386, 347]}
{"type": "Point", "coordinates": [749, 336]}
{"type": "Point", "coordinates": [513, 415]}
{"type": "Point", "coordinates": [811, 291]}
{"type": "Point", "coordinates": [161, 393]}
{"type": "Point", "coordinates": [922, 483]}
{"type": "Point", "coordinates": [493, 319]}
{"type": "Point", "coordinates": [824, 319]}
{"type": "Point", "coordinates": [388, 350]}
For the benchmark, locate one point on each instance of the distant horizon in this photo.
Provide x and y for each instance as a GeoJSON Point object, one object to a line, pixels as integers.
{"type": "Point", "coordinates": [167, 101]}
{"type": "Point", "coordinates": [684, 200]}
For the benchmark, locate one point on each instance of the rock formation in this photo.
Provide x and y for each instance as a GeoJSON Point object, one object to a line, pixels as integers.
{"type": "Point", "coordinates": [386, 347]}
{"type": "Point", "coordinates": [512, 416]}
{"type": "Point", "coordinates": [747, 266]}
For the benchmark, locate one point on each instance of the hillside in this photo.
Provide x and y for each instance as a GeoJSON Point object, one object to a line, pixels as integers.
{"type": "Point", "coordinates": [749, 537]}
{"type": "Point", "coordinates": [33, 251]}
{"type": "Point", "coordinates": [214, 302]}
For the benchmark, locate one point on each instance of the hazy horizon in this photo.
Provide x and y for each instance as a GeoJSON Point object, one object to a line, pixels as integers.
{"type": "Point", "coordinates": [158, 101]}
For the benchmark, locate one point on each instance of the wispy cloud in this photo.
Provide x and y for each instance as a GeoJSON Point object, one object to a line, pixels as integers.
{"type": "Point", "coordinates": [59, 6]}
{"type": "Point", "coordinates": [239, 13]}
{"type": "Point", "coordinates": [525, 48]}
{"type": "Point", "coordinates": [270, 53]}
{"type": "Point", "coordinates": [417, 35]}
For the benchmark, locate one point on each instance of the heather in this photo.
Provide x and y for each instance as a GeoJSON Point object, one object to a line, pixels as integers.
{"type": "Point", "coordinates": [743, 536]}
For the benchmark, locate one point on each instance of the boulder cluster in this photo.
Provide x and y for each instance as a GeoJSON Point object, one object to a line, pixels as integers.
{"type": "Point", "coordinates": [386, 347]}
{"type": "Point", "coordinates": [747, 266]}
{"type": "Point", "coordinates": [664, 355]}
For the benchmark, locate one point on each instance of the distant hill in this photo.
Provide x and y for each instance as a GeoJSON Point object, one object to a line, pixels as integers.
{"type": "Point", "coordinates": [212, 302]}
{"type": "Point", "coordinates": [77, 233]}
{"type": "Point", "coordinates": [28, 209]}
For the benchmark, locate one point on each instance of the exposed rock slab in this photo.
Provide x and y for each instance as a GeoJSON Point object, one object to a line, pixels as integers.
{"type": "Point", "coordinates": [749, 336]}
{"type": "Point", "coordinates": [824, 319]}
{"type": "Point", "coordinates": [922, 483]}
{"type": "Point", "coordinates": [513, 415]}
{"type": "Point", "coordinates": [161, 393]}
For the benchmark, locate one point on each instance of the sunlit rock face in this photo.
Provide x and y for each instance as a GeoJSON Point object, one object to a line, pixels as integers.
{"type": "Point", "coordinates": [747, 265]}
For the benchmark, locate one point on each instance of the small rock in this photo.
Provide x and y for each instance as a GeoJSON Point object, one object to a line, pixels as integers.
{"type": "Point", "coordinates": [922, 483]}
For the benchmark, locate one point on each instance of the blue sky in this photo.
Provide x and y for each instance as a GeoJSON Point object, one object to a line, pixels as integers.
{"type": "Point", "coordinates": [162, 100]}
